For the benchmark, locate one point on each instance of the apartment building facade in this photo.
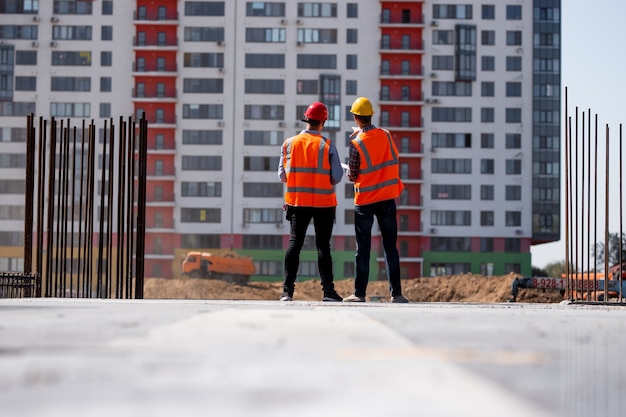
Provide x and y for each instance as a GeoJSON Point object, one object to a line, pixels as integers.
{"type": "Point", "coordinates": [469, 90]}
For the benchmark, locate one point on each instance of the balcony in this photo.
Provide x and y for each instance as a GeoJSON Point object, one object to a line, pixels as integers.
{"type": "Point", "coordinates": [404, 21]}
{"type": "Point", "coordinates": [156, 16]}
{"type": "Point", "coordinates": [401, 98]}
{"type": "Point", "coordinates": [156, 68]}
{"type": "Point", "coordinates": [159, 96]}
{"type": "Point", "coordinates": [413, 73]}
{"type": "Point", "coordinates": [155, 44]}
{"type": "Point", "coordinates": [399, 47]}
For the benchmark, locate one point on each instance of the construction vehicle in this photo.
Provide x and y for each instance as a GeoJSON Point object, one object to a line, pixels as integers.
{"type": "Point", "coordinates": [226, 266]}
{"type": "Point", "coordinates": [587, 286]}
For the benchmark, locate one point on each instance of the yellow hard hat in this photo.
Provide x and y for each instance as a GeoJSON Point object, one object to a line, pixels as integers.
{"type": "Point", "coordinates": [362, 107]}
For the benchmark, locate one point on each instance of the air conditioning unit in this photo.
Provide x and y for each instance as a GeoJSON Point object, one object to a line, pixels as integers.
{"type": "Point", "coordinates": [36, 18]}
{"type": "Point", "coordinates": [434, 23]}
{"type": "Point", "coordinates": [244, 225]}
{"type": "Point", "coordinates": [220, 43]}
{"type": "Point", "coordinates": [220, 123]}
{"type": "Point", "coordinates": [433, 75]}
{"type": "Point", "coordinates": [54, 19]}
{"type": "Point", "coordinates": [53, 44]}
{"type": "Point", "coordinates": [296, 125]}
{"type": "Point", "coordinates": [300, 43]}
{"type": "Point", "coordinates": [428, 100]}
{"type": "Point", "coordinates": [221, 69]}
{"type": "Point", "coordinates": [433, 230]}
{"type": "Point", "coordinates": [283, 22]}
{"type": "Point", "coordinates": [281, 124]}
{"type": "Point", "coordinates": [279, 225]}
{"type": "Point", "coordinates": [35, 44]}
{"type": "Point", "coordinates": [519, 50]}
{"type": "Point", "coordinates": [299, 22]}
{"type": "Point", "coordinates": [519, 232]}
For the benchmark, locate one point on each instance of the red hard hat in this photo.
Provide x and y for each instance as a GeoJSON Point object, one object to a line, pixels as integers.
{"type": "Point", "coordinates": [317, 112]}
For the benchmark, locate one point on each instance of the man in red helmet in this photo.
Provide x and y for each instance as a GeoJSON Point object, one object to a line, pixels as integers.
{"type": "Point", "coordinates": [309, 164]}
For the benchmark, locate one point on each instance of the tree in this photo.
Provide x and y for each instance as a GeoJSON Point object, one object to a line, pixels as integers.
{"type": "Point", "coordinates": [555, 269]}
{"type": "Point", "coordinates": [599, 251]}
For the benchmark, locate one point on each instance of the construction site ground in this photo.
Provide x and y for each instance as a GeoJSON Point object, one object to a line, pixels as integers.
{"type": "Point", "coordinates": [456, 288]}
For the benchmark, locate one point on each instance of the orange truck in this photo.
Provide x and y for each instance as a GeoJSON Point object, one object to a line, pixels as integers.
{"type": "Point", "coordinates": [226, 266]}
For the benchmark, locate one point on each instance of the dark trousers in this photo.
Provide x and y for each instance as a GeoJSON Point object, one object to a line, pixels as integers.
{"type": "Point", "coordinates": [385, 213]}
{"type": "Point", "coordinates": [323, 221]}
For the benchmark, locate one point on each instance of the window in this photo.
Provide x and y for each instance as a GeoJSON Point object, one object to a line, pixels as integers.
{"type": "Point", "coordinates": [201, 189]}
{"type": "Point", "coordinates": [203, 85]}
{"type": "Point", "coordinates": [106, 58]}
{"type": "Point", "coordinates": [199, 241]}
{"type": "Point", "coordinates": [262, 189]}
{"type": "Point", "coordinates": [514, 63]}
{"type": "Point", "coordinates": [317, 35]}
{"type": "Point", "coordinates": [202, 111]}
{"type": "Point", "coordinates": [486, 218]}
{"type": "Point", "coordinates": [25, 57]}
{"type": "Point", "coordinates": [317, 61]}
{"type": "Point", "coordinates": [265, 8]}
{"type": "Point", "coordinates": [451, 218]}
{"type": "Point", "coordinates": [450, 244]}
{"type": "Point", "coordinates": [452, 11]}
{"type": "Point", "coordinates": [513, 115]}
{"type": "Point", "coordinates": [202, 163]}
{"type": "Point", "coordinates": [352, 10]}
{"type": "Point", "coordinates": [204, 34]}
{"type": "Point", "coordinates": [268, 35]}
{"type": "Point", "coordinates": [77, 33]}
{"type": "Point", "coordinates": [70, 109]}
{"type": "Point", "coordinates": [262, 215]}
{"type": "Point", "coordinates": [443, 62]}
{"type": "Point", "coordinates": [200, 215]}
{"type": "Point", "coordinates": [452, 114]}
{"type": "Point", "coordinates": [513, 192]}
{"type": "Point", "coordinates": [486, 166]}
{"type": "Point", "coordinates": [261, 241]}
{"type": "Point", "coordinates": [25, 83]}
{"type": "Point", "coordinates": [202, 137]}
{"type": "Point", "coordinates": [513, 166]}
{"type": "Point", "coordinates": [513, 89]}
{"type": "Point", "coordinates": [513, 12]}
{"type": "Point", "coordinates": [70, 84]}
{"type": "Point", "coordinates": [352, 35]}
{"type": "Point", "coordinates": [487, 114]}
{"type": "Point", "coordinates": [512, 267]}
{"type": "Point", "coordinates": [443, 37]}
{"type": "Point", "coordinates": [264, 112]}
{"type": "Point", "coordinates": [203, 60]}
{"type": "Point", "coordinates": [451, 192]}
{"type": "Point", "coordinates": [487, 89]}
{"type": "Point", "coordinates": [204, 8]}
{"type": "Point", "coordinates": [486, 192]}
{"type": "Point", "coordinates": [513, 218]}
{"type": "Point", "coordinates": [488, 63]}
{"type": "Point", "coordinates": [259, 86]}
{"type": "Point", "coordinates": [513, 37]}
{"type": "Point", "coordinates": [513, 141]}
{"type": "Point", "coordinates": [317, 10]}
{"type": "Point", "coordinates": [72, 6]}
{"type": "Point", "coordinates": [451, 140]}
{"type": "Point", "coordinates": [105, 84]}
{"type": "Point", "coordinates": [486, 245]}
{"type": "Point", "coordinates": [488, 37]}
{"type": "Point", "coordinates": [486, 140]}
{"type": "Point", "coordinates": [488, 11]}
{"type": "Point", "coordinates": [105, 109]}
{"type": "Point", "coordinates": [451, 88]}
{"type": "Point", "coordinates": [351, 61]}
{"type": "Point", "coordinates": [71, 58]}
{"type": "Point", "coordinates": [451, 166]}
{"type": "Point", "coordinates": [351, 87]}
{"type": "Point", "coordinates": [107, 7]}
{"type": "Point", "coordinates": [106, 33]}
{"type": "Point", "coordinates": [260, 163]}
{"type": "Point", "coordinates": [265, 60]}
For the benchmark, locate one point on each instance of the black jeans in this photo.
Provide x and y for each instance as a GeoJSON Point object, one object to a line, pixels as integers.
{"type": "Point", "coordinates": [323, 221]}
{"type": "Point", "coordinates": [385, 213]}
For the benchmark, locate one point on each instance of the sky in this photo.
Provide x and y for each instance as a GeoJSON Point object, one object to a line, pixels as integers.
{"type": "Point", "coordinates": [593, 68]}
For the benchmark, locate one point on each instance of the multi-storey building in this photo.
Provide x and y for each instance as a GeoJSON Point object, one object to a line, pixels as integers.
{"type": "Point", "coordinates": [469, 90]}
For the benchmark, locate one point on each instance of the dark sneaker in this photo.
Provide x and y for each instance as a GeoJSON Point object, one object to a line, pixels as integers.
{"type": "Point", "coordinates": [286, 297]}
{"type": "Point", "coordinates": [332, 296]}
{"type": "Point", "coordinates": [354, 299]}
{"type": "Point", "coordinates": [399, 299]}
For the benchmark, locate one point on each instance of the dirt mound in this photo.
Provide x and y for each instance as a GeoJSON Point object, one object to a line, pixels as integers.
{"type": "Point", "coordinates": [456, 288]}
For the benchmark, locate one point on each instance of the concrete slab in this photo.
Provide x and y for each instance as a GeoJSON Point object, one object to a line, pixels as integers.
{"type": "Point", "coordinates": [69, 357]}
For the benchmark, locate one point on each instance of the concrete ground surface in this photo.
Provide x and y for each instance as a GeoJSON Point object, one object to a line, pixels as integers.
{"type": "Point", "coordinates": [77, 357]}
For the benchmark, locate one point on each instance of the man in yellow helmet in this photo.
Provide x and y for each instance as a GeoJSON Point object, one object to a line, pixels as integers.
{"type": "Point", "coordinates": [310, 166]}
{"type": "Point", "coordinates": [374, 169]}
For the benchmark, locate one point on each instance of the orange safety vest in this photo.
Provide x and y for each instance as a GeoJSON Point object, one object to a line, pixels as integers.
{"type": "Point", "coordinates": [307, 166]}
{"type": "Point", "coordinates": [379, 172]}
